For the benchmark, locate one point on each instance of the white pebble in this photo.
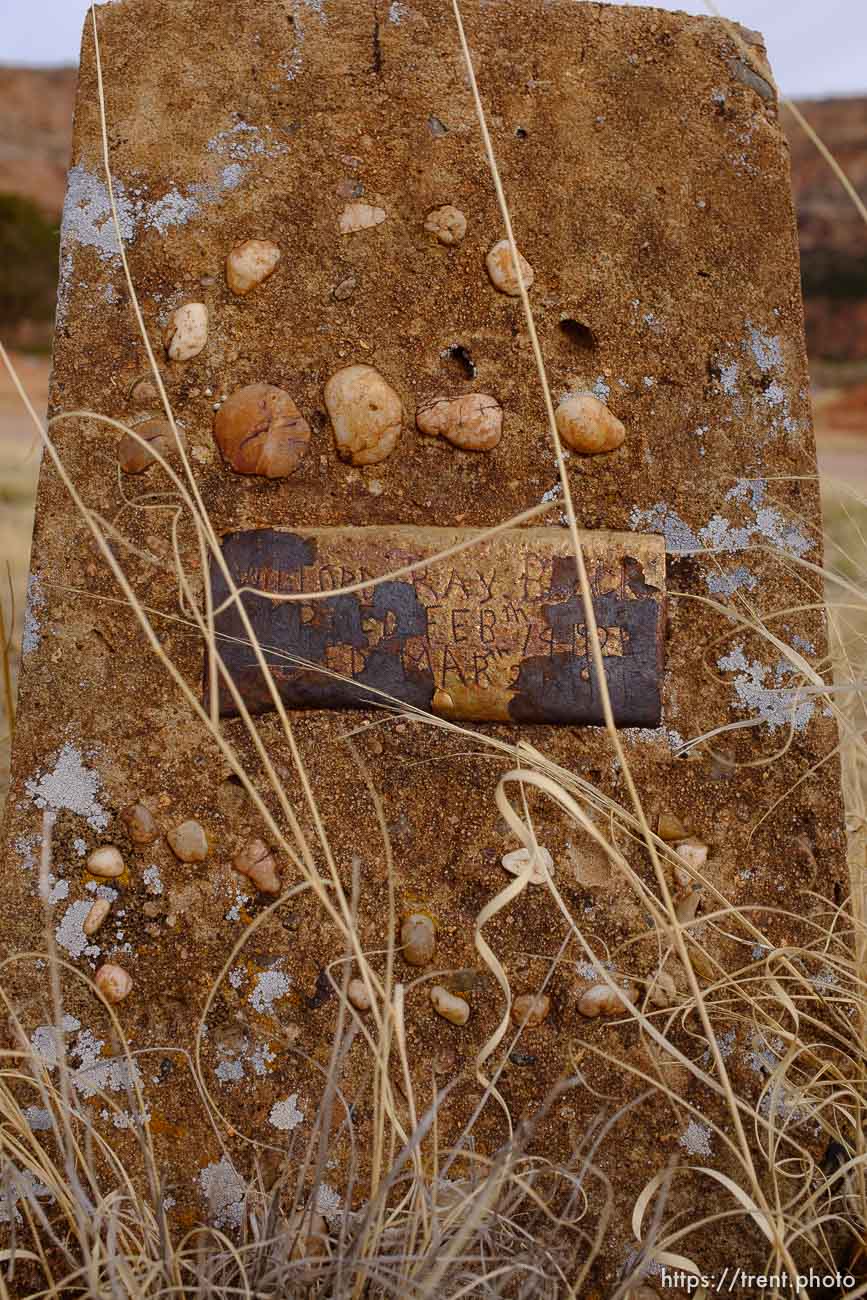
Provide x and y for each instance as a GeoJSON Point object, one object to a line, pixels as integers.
{"type": "Point", "coordinates": [473, 422]}
{"type": "Point", "coordinates": [187, 331]}
{"type": "Point", "coordinates": [96, 916]}
{"type": "Point", "coordinates": [693, 854]}
{"type": "Point", "coordinates": [359, 216]}
{"type": "Point", "coordinates": [602, 1001]}
{"type": "Point", "coordinates": [448, 224]}
{"type": "Point", "coordinates": [543, 864]}
{"type": "Point", "coordinates": [502, 271]}
{"type": "Point", "coordinates": [449, 1005]}
{"type": "Point", "coordinates": [365, 412]}
{"type": "Point", "coordinates": [256, 862]}
{"type": "Point", "coordinates": [105, 862]}
{"type": "Point", "coordinates": [113, 982]}
{"type": "Point", "coordinates": [189, 842]}
{"type": "Point", "coordinates": [250, 263]}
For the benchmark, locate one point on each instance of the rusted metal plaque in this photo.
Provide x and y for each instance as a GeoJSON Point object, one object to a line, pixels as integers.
{"type": "Point", "coordinates": [495, 633]}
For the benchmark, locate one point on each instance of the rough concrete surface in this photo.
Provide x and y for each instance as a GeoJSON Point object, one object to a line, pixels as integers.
{"type": "Point", "coordinates": [649, 185]}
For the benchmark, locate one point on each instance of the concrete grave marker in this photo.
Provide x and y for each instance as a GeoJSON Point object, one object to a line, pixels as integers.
{"type": "Point", "coordinates": [649, 186]}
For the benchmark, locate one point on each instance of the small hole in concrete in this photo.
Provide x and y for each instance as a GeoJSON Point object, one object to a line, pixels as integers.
{"type": "Point", "coordinates": [462, 360]}
{"type": "Point", "coordinates": [521, 132]}
{"type": "Point", "coordinates": [579, 333]}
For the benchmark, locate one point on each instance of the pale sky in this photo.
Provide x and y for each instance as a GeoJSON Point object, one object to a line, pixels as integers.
{"type": "Point", "coordinates": [817, 47]}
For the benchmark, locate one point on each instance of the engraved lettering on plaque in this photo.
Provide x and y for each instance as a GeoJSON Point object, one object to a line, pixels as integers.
{"type": "Point", "coordinates": [496, 633]}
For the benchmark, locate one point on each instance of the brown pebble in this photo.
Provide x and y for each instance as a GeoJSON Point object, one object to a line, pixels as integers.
{"type": "Point", "coordinates": [189, 842]}
{"type": "Point", "coordinates": [250, 264]}
{"type": "Point", "coordinates": [365, 412]}
{"type": "Point", "coordinates": [256, 862]}
{"type": "Point", "coordinates": [502, 271]}
{"type": "Point", "coordinates": [345, 289]}
{"type": "Point", "coordinates": [662, 991]}
{"type": "Point", "coordinates": [530, 1009]}
{"type": "Point", "coordinates": [358, 995]}
{"type": "Point", "coordinates": [445, 1061]}
{"type": "Point", "coordinates": [144, 394]}
{"type": "Point", "coordinates": [159, 436]}
{"type": "Point", "coordinates": [260, 430]}
{"type": "Point", "coordinates": [448, 224]}
{"type": "Point", "coordinates": [418, 939]}
{"type": "Point", "coordinates": [670, 828]}
{"type": "Point", "coordinates": [113, 982]}
{"type": "Point", "coordinates": [586, 425]}
{"type": "Point", "coordinates": [140, 823]}
{"type": "Point", "coordinates": [473, 422]}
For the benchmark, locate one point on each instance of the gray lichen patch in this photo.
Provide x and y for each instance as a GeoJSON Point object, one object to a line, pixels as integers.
{"type": "Point", "coordinates": [70, 785]}
{"type": "Point", "coordinates": [760, 525]}
{"type": "Point", "coordinates": [773, 703]}
{"type": "Point", "coordinates": [32, 634]}
{"type": "Point", "coordinates": [224, 1190]}
{"type": "Point", "coordinates": [270, 985]}
{"type": "Point", "coordinates": [285, 1114]}
{"type": "Point", "coordinates": [70, 931]}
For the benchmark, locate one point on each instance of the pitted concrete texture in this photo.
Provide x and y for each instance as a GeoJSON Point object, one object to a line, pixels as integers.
{"type": "Point", "coordinates": [648, 180]}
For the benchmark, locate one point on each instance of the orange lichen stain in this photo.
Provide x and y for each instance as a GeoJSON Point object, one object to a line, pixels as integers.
{"type": "Point", "coordinates": [123, 881]}
{"type": "Point", "coordinates": [161, 1127]}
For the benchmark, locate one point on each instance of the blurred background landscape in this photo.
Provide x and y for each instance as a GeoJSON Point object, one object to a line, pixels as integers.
{"type": "Point", "coordinates": [36, 107]}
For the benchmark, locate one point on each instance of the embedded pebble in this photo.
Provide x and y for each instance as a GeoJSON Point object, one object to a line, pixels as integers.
{"type": "Point", "coordinates": [585, 424]}
{"type": "Point", "coordinates": [502, 271]}
{"type": "Point", "coordinates": [671, 828]}
{"type": "Point", "coordinates": [133, 458]}
{"type": "Point", "coordinates": [260, 430]}
{"type": "Point", "coordinates": [256, 862]}
{"type": "Point", "coordinates": [345, 289]}
{"type": "Point", "coordinates": [359, 216]}
{"type": "Point", "coordinates": [693, 854]}
{"type": "Point", "coordinates": [144, 393]}
{"type": "Point", "coordinates": [189, 842]}
{"type": "Point", "coordinates": [686, 906]}
{"type": "Point", "coordinates": [113, 982]}
{"type": "Point", "coordinates": [187, 331]}
{"type": "Point", "coordinates": [449, 1005]}
{"type": "Point", "coordinates": [663, 990]}
{"type": "Point", "coordinates": [358, 995]}
{"type": "Point", "coordinates": [140, 823]}
{"type": "Point", "coordinates": [602, 1001]}
{"type": "Point", "coordinates": [445, 1061]}
{"type": "Point", "coordinates": [308, 1232]}
{"type": "Point", "coordinates": [96, 916]}
{"type": "Point", "coordinates": [250, 263]}
{"type": "Point", "coordinates": [105, 862]}
{"type": "Point", "coordinates": [543, 864]}
{"type": "Point", "coordinates": [530, 1009]}
{"type": "Point", "coordinates": [365, 412]}
{"type": "Point", "coordinates": [418, 939]}
{"type": "Point", "coordinates": [448, 224]}
{"type": "Point", "coordinates": [473, 422]}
